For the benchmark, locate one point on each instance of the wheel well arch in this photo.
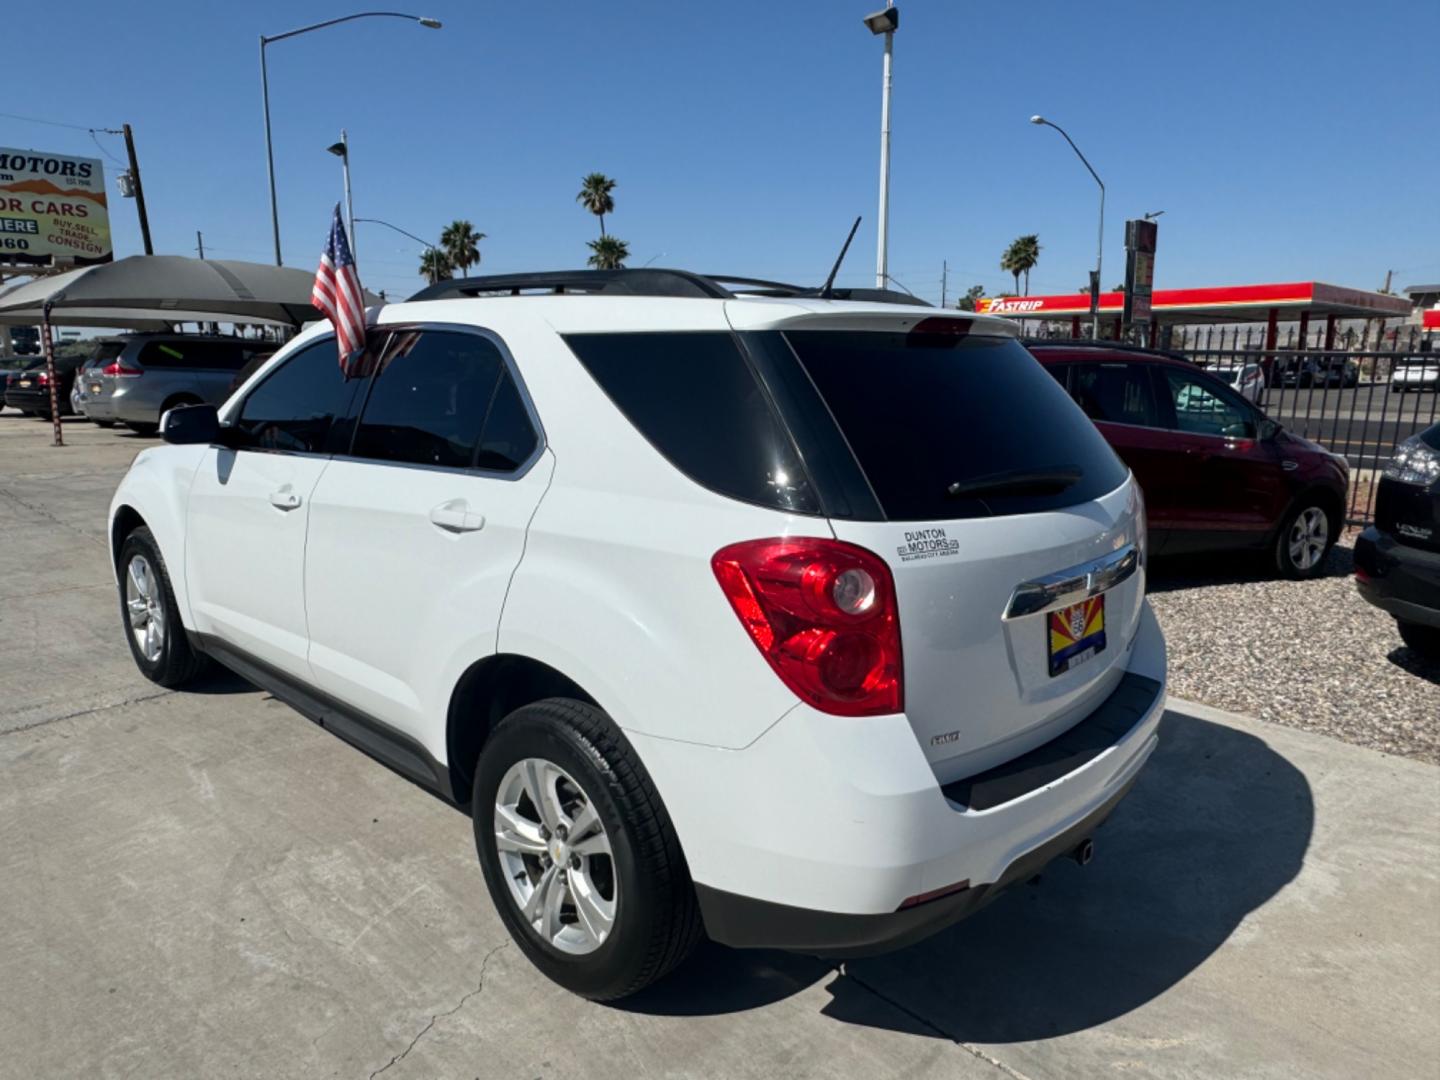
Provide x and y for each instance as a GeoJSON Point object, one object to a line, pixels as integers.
{"type": "Point", "coordinates": [490, 690]}
{"type": "Point", "coordinates": [181, 397]}
{"type": "Point", "coordinates": [127, 520]}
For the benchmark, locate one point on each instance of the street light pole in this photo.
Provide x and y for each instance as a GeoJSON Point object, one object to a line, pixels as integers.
{"type": "Point", "coordinates": [884, 22]}
{"type": "Point", "coordinates": [430, 248]}
{"type": "Point", "coordinates": [428, 23]}
{"type": "Point", "coordinates": [1100, 243]}
{"type": "Point", "coordinates": [342, 151]}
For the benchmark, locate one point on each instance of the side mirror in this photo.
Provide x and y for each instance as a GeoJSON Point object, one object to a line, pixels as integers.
{"type": "Point", "coordinates": [190, 424]}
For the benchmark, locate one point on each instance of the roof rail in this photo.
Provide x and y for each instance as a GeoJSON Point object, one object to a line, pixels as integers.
{"type": "Point", "coordinates": [645, 282]}
{"type": "Point", "coordinates": [638, 282]}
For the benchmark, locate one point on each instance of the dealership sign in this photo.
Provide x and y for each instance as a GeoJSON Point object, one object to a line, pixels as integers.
{"type": "Point", "coordinates": [52, 208]}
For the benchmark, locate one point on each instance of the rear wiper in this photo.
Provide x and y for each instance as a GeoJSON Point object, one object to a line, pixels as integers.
{"type": "Point", "coordinates": [1043, 481]}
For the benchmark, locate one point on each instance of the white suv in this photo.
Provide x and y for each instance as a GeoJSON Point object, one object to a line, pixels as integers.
{"type": "Point", "coordinates": [802, 623]}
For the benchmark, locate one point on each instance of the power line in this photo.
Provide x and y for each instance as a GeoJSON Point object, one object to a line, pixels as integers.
{"type": "Point", "coordinates": [57, 123]}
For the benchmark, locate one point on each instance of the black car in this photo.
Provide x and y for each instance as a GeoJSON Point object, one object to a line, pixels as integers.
{"type": "Point", "coordinates": [29, 390]}
{"type": "Point", "coordinates": [1334, 370]}
{"type": "Point", "coordinates": [1397, 560]}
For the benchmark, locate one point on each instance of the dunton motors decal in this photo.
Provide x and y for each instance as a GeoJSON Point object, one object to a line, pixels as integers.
{"type": "Point", "coordinates": [926, 544]}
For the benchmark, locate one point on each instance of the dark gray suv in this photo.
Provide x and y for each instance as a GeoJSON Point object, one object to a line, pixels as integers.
{"type": "Point", "coordinates": [155, 372]}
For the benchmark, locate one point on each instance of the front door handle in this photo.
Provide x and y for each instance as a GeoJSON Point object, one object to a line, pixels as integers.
{"type": "Point", "coordinates": [456, 516]}
{"type": "Point", "coordinates": [284, 499]}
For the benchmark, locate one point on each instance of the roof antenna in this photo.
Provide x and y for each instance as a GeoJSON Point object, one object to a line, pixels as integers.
{"type": "Point", "coordinates": [830, 281]}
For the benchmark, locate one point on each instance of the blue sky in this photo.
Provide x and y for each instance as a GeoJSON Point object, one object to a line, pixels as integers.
{"type": "Point", "coordinates": [1284, 140]}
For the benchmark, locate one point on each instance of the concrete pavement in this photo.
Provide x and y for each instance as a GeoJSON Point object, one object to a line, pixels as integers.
{"type": "Point", "coordinates": [205, 884]}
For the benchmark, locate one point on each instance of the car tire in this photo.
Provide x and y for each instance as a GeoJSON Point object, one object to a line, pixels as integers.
{"type": "Point", "coordinates": [143, 429]}
{"type": "Point", "coordinates": [1304, 540]}
{"type": "Point", "coordinates": [151, 617]}
{"type": "Point", "coordinates": [601, 790]}
{"type": "Point", "coordinates": [1424, 640]}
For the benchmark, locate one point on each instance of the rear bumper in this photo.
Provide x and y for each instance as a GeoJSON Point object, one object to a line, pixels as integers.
{"type": "Point", "coordinates": [37, 400]}
{"type": "Point", "coordinates": [828, 834]}
{"type": "Point", "coordinates": [1397, 578]}
{"type": "Point", "coordinates": [743, 922]}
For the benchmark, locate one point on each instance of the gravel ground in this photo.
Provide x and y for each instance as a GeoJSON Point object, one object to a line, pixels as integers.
{"type": "Point", "coordinates": [1307, 654]}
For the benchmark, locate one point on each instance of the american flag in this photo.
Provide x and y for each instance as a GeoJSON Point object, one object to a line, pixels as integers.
{"type": "Point", "coordinates": [337, 292]}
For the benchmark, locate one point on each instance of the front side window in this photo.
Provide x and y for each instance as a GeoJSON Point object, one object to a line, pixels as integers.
{"type": "Point", "coordinates": [297, 404]}
{"type": "Point", "coordinates": [1115, 393]}
{"type": "Point", "coordinates": [1204, 408]}
{"type": "Point", "coordinates": [431, 394]}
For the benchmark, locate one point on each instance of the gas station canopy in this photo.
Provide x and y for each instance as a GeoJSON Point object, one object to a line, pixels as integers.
{"type": "Point", "coordinates": [1226, 303]}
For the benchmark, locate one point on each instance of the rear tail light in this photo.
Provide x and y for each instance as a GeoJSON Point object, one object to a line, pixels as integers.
{"type": "Point", "coordinates": [117, 368]}
{"type": "Point", "coordinates": [43, 378]}
{"type": "Point", "coordinates": [823, 614]}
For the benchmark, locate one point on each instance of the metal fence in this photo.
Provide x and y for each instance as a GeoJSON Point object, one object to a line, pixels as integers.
{"type": "Point", "coordinates": [1361, 402]}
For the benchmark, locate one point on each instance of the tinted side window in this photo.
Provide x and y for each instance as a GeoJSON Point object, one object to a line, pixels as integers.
{"type": "Point", "coordinates": [202, 355]}
{"type": "Point", "coordinates": [296, 405]}
{"type": "Point", "coordinates": [1115, 393]}
{"type": "Point", "coordinates": [509, 438]}
{"type": "Point", "coordinates": [694, 397]}
{"type": "Point", "coordinates": [1203, 408]}
{"type": "Point", "coordinates": [428, 403]}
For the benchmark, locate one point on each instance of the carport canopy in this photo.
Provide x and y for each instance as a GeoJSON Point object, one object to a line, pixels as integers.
{"type": "Point", "coordinates": [150, 292]}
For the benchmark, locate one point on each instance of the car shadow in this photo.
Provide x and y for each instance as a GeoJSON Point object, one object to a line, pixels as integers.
{"type": "Point", "coordinates": [1170, 573]}
{"type": "Point", "coordinates": [1407, 659]}
{"type": "Point", "coordinates": [1217, 824]}
{"type": "Point", "coordinates": [221, 680]}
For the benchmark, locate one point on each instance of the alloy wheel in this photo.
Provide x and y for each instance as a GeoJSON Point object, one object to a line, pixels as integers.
{"type": "Point", "coordinates": [556, 856]}
{"type": "Point", "coordinates": [1308, 537]}
{"type": "Point", "coordinates": [145, 608]}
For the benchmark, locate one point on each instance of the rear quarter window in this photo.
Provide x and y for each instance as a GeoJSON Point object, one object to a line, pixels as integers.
{"type": "Point", "coordinates": [696, 399]}
{"type": "Point", "coordinates": [923, 412]}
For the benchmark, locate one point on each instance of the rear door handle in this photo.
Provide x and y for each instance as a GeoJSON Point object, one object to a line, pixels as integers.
{"type": "Point", "coordinates": [457, 517]}
{"type": "Point", "coordinates": [284, 499]}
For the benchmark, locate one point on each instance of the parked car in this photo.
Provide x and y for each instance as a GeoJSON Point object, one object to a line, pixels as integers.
{"type": "Point", "coordinates": [155, 372]}
{"type": "Point", "coordinates": [10, 367]}
{"type": "Point", "coordinates": [1418, 372]}
{"type": "Point", "coordinates": [29, 390]}
{"type": "Point", "coordinates": [1218, 474]}
{"type": "Point", "coordinates": [812, 623]}
{"type": "Point", "coordinates": [1335, 370]}
{"type": "Point", "coordinates": [88, 379]}
{"type": "Point", "coordinates": [1247, 380]}
{"type": "Point", "coordinates": [1397, 560]}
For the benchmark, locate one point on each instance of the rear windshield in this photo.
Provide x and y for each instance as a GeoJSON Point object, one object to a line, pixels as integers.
{"type": "Point", "coordinates": [1229, 375]}
{"type": "Point", "coordinates": [923, 413]}
{"type": "Point", "coordinates": [107, 351]}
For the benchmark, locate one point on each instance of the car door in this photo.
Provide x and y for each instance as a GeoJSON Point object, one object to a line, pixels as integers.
{"type": "Point", "coordinates": [414, 534]}
{"type": "Point", "coordinates": [1119, 397]}
{"type": "Point", "coordinates": [246, 518]}
{"type": "Point", "coordinates": [1229, 481]}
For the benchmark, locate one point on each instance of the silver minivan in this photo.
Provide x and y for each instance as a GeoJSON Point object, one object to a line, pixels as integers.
{"type": "Point", "coordinates": [155, 372]}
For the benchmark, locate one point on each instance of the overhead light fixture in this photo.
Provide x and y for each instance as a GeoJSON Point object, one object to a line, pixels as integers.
{"type": "Point", "coordinates": [884, 22]}
{"type": "Point", "coordinates": [433, 24]}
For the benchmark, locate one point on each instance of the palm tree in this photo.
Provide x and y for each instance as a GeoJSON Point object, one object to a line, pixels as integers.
{"type": "Point", "coordinates": [461, 244]}
{"type": "Point", "coordinates": [1020, 257]}
{"type": "Point", "coordinates": [435, 265]}
{"type": "Point", "coordinates": [595, 195]}
{"type": "Point", "coordinates": [608, 253]}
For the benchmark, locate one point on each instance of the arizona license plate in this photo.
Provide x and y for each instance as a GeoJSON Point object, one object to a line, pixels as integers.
{"type": "Point", "coordinates": [25, 384]}
{"type": "Point", "coordinates": [94, 387]}
{"type": "Point", "coordinates": [1076, 634]}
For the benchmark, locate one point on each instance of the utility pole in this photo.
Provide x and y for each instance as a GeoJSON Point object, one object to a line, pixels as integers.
{"type": "Point", "coordinates": [139, 190]}
{"type": "Point", "coordinates": [200, 243]}
{"type": "Point", "coordinates": [1388, 274]}
{"type": "Point", "coordinates": [944, 279]}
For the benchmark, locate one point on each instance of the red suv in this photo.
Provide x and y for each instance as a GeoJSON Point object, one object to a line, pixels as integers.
{"type": "Point", "coordinates": [1218, 474]}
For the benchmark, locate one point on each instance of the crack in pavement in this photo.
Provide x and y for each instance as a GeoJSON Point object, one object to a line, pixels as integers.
{"type": "Point", "coordinates": [970, 1048]}
{"type": "Point", "coordinates": [86, 712]}
{"type": "Point", "coordinates": [480, 985]}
